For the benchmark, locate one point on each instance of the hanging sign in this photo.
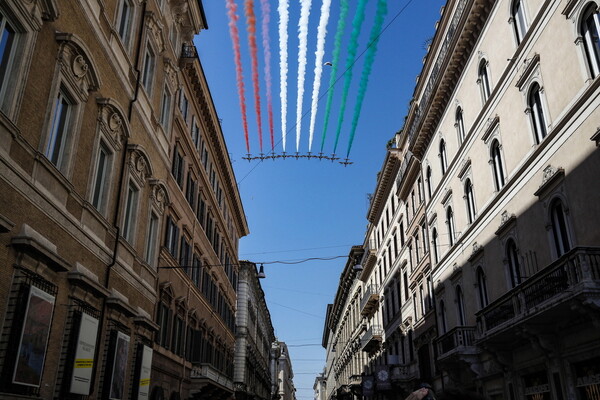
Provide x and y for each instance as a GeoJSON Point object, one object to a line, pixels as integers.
{"type": "Point", "coordinates": [83, 365]}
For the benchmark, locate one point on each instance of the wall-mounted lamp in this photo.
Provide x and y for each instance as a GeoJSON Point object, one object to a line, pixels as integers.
{"type": "Point", "coordinates": [261, 272]}
{"type": "Point", "coordinates": [357, 265]}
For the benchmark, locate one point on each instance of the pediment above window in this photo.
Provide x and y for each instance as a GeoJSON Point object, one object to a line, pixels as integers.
{"type": "Point", "coordinates": [77, 64]}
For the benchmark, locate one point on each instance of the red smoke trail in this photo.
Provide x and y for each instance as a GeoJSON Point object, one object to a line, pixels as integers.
{"type": "Point", "coordinates": [235, 38]}
{"type": "Point", "coordinates": [266, 13]}
{"type": "Point", "coordinates": [251, 28]}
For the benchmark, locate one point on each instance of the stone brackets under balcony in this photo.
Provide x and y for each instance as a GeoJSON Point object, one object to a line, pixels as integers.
{"type": "Point", "coordinates": [570, 283]}
{"type": "Point", "coordinates": [369, 301]}
{"type": "Point", "coordinates": [372, 338]}
{"type": "Point", "coordinates": [457, 342]}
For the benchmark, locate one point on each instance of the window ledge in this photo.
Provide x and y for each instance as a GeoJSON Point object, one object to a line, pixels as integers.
{"type": "Point", "coordinates": [85, 278]}
{"type": "Point", "coordinates": [6, 225]}
{"type": "Point", "coordinates": [30, 241]}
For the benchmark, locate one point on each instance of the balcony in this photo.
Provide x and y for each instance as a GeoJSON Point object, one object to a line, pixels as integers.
{"type": "Point", "coordinates": [403, 373]}
{"type": "Point", "coordinates": [369, 257]}
{"type": "Point", "coordinates": [372, 338]}
{"type": "Point", "coordinates": [369, 301]}
{"type": "Point", "coordinates": [188, 53]}
{"type": "Point", "coordinates": [355, 381]}
{"type": "Point", "coordinates": [458, 341]}
{"type": "Point", "coordinates": [549, 295]}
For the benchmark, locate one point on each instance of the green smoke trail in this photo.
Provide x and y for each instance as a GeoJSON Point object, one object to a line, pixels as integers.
{"type": "Point", "coordinates": [359, 17]}
{"type": "Point", "coordinates": [339, 33]}
{"type": "Point", "coordinates": [369, 58]}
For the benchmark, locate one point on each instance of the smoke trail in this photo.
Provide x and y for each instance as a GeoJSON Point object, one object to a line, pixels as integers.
{"type": "Point", "coordinates": [302, 48]}
{"type": "Point", "coordinates": [359, 17]}
{"type": "Point", "coordinates": [321, 33]}
{"type": "Point", "coordinates": [266, 18]}
{"type": "Point", "coordinates": [339, 33]}
{"type": "Point", "coordinates": [237, 58]}
{"type": "Point", "coordinates": [283, 64]}
{"type": "Point", "coordinates": [369, 58]}
{"type": "Point", "coordinates": [251, 28]}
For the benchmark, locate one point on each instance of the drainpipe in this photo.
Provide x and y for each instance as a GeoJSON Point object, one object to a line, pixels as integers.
{"type": "Point", "coordinates": [120, 186]}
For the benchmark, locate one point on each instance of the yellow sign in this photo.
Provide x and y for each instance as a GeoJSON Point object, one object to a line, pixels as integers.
{"type": "Point", "coordinates": [145, 382]}
{"type": "Point", "coordinates": [84, 363]}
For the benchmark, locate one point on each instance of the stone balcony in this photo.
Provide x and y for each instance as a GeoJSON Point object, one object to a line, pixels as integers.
{"type": "Point", "coordinates": [458, 341]}
{"type": "Point", "coordinates": [372, 338]}
{"type": "Point", "coordinates": [402, 373]}
{"type": "Point", "coordinates": [554, 293]}
{"type": "Point", "coordinates": [369, 300]}
{"type": "Point", "coordinates": [355, 381]}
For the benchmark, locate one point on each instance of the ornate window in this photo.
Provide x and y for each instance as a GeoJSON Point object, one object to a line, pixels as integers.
{"type": "Point", "coordinates": [131, 211]}
{"type": "Point", "coordinates": [589, 29]}
{"type": "Point", "coordinates": [538, 120]}
{"type": "Point", "coordinates": [434, 245]}
{"type": "Point", "coordinates": [443, 322]}
{"type": "Point", "coordinates": [125, 22]}
{"type": "Point", "coordinates": [104, 159]}
{"type": "Point", "coordinates": [443, 158]}
{"type": "Point", "coordinates": [460, 306]}
{"type": "Point", "coordinates": [166, 109]}
{"type": "Point", "coordinates": [428, 178]}
{"type": "Point", "coordinates": [514, 268]}
{"type": "Point", "coordinates": [497, 165]}
{"type": "Point", "coordinates": [150, 251]}
{"type": "Point", "coordinates": [560, 233]}
{"type": "Point", "coordinates": [450, 224]}
{"type": "Point", "coordinates": [470, 201]}
{"type": "Point", "coordinates": [484, 80]}
{"type": "Point", "coordinates": [460, 125]}
{"type": "Point", "coordinates": [518, 20]}
{"type": "Point", "coordinates": [482, 287]}
{"type": "Point", "coordinates": [148, 68]}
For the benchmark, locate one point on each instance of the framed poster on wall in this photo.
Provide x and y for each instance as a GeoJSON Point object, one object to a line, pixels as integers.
{"type": "Point", "coordinates": [83, 365]}
{"type": "Point", "coordinates": [117, 380]}
{"type": "Point", "coordinates": [31, 352]}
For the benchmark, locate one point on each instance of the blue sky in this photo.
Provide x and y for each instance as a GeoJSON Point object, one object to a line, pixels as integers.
{"type": "Point", "coordinates": [298, 209]}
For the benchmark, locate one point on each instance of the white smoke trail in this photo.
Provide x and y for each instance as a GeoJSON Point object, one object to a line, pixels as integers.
{"type": "Point", "coordinates": [302, 48]}
{"type": "Point", "coordinates": [283, 64]}
{"type": "Point", "coordinates": [321, 33]}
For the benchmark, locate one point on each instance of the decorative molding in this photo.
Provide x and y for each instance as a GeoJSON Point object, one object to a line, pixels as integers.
{"type": "Point", "coordinates": [113, 122]}
{"type": "Point", "coordinates": [530, 65]}
{"type": "Point", "coordinates": [446, 197]}
{"type": "Point", "coordinates": [477, 251]}
{"type": "Point", "coordinates": [139, 164]}
{"type": "Point", "coordinates": [159, 195]}
{"type": "Point", "coordinates": [596, 137]}
{"type": "Point", "coordinates": [77, 64]}
{"type": "Point", "coordinates": [551, 176]}
{"type": "Point", "coordinates": [464, 167]}
{"type": "Point", "coordinates": [491, 125]}
{"type": "Point", "coordinates": [506, 221]}
{"type": "Point", "coordinates": [156, 30]}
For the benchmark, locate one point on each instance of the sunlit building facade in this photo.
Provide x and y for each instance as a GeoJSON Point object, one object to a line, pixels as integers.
{"type": "Point", "coordinates": [119, 213]}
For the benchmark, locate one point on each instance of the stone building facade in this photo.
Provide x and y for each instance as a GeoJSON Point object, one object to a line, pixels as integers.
{"type": "Point", "coordinates": [254, 338]}
{"type": "Point", "coordinates": [119, 213]}
{"type": "Point", "coordinates": [282, 373]}
{"type": "Point", "coordinates": [482, 263]}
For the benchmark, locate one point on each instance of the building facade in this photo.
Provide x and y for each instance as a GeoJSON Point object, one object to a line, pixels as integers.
{"type": "Point", "coordinates": [254, 338]}
{"type": "Point", "coordinates": [282, 373]}
{"type": "Point", "coordinates": [119, 211]}
{"type": "Point", "coordinates": [481, 257]}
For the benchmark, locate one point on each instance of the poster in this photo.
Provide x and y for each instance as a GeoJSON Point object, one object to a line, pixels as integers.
{"type": "Point", "coordinates": [117, 381]}
{"type": "Point", "coordinates": [145, 369]}
{"type": "Point", "coordinates": [34, 338]}
{"type": "Point", "coordinates": [83, 365]}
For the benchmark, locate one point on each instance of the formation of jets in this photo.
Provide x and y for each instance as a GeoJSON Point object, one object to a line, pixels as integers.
{"type": "Point", "coordinates": [297, 156]}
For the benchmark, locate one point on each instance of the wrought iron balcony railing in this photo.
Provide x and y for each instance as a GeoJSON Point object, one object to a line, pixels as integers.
{"type": "Point", "coordinates": [372, 338]}
{"type": "Point", "coordinates": [368, 302]}
{"type": "Point", "coordinates": [455, 340]}
{"type": "Point", "coordinates": [569, 276]}
{"type": "Point", "coordinates": [188, 51]}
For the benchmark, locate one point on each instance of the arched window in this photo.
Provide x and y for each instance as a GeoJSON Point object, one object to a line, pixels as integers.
{"type": "Point", "coordinates": [562, 244]}
{"type": "Point", "coordinates": [428, 178]}
{"type": "Point", "coordinates": [470, 200]}
{"type": "Point", "coordinates": [519, 23]}
{"type": "Point", "coordinates": [484, 80]}
{"type": "Point", "coordinates": [443, 324]}
{"type": "Point", "coordinates": [443, 159]}
{"type": "Point", "coordinates": [450, 223]}
{"type": "Point", "coordinates": [513, 263]}
{"type": "Point", "coordinates": [434, 245]}
{"type": "Point", "coordinates": [538, 120]}
{"type": "Point", "coordinates": [590, 26]}
{"type": "Point", "coordinates": [497, 165]}
{"type": "Point", "coordinates": [460, 125]}
{"type": "Point", "coordinates": [460, 306]}
{"type": "Point", "coordinates": [482, 287]}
